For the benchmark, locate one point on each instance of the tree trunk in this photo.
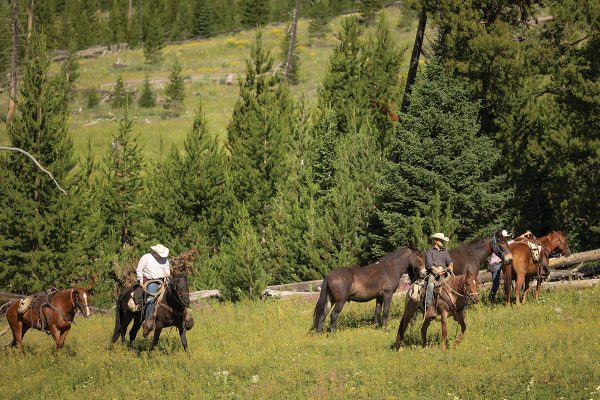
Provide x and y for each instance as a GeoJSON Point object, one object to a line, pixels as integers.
{"type": "Point", "coordinates": [414, 60]}
{"type": "Point", "coordinates": [29, 20]}
{"type": "Point", "coordinates": [576, 258]}
{"type": "Point", "coordinates": [13, 63]}
{"type": "Point", "coordinates": [129, 17]}
{"type": "Point", "coordinates": [290, 54]}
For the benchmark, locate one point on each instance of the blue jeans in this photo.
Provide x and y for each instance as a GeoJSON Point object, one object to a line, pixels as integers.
{"type": "Point", "coordinates": [495, 283]}
{"type": "Point", "coordinates": [151, 289]}
{"type": "Point", "coordinates": [429, 293]}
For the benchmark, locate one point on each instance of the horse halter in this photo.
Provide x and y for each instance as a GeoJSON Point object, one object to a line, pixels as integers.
{"type": "Point", "coordinates": [496, 247]}
{"type": "Point", "coordinates": [179, 295]}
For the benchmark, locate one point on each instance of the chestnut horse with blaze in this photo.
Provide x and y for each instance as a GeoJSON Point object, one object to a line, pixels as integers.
{"type": "Point", "coordinates": [58, 311]}
{"type": "Point", "coordinates": [524, 267]}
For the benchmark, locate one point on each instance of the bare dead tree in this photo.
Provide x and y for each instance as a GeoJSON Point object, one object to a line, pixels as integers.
{"type": "Point", "coordinates": [290, 53]}
{"type": "Point", "coordinates": [29, 19]}
{"type": "Point", "coordinates": [13, 62]}
{"type": "Point", "coordinates": [36, 163]}
{"type": "Point", "coordinates": [414, 61]}
{"type": "Point", "coordinates": [129, 16]}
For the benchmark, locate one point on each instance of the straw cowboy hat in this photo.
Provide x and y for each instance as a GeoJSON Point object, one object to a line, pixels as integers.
{"type": "Point", "coordinates": [160, 250]}
{"type": "Point", "coordinates": [440, 236]}
{"type": "Point", "coordinates": [505, 233]}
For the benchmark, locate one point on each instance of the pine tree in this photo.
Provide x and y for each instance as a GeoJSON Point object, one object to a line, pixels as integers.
{"type": "Point", "coordinates": [203, 22]}
{"type": "Point", "coordinates": [70, 71]}
{"type": "Point", "coordinates": [35, 218]}
{"type": "Point", "coordinates": [117, 24]}
{"type": "Point", "coordinates": [368, 9]}
{"type": "Point", "coordinates": [120, 96]}
{"type": "Point", "coordinates": [259, 134]}
{"type": "Point", "coordinates": [242, 261]}
{"type": "Point", "coordinates": [295, 68]}
{"type": "Point", "coordinates": [319, 12]}
{"type": "Point", "coordinates": [147, 99]}
{"type": "Point", "coordinates": [254, 13]}
{"type": "Point", "coordinates": [154, 38]}
{"type": "Point", "coordinates": [122, 186]}
{"type": "Point", "coordinates": [175, 90]}
{"type": "Point", "coordinates": [438, 149]}
{"type": "Point", "coordinates": [92, 98]}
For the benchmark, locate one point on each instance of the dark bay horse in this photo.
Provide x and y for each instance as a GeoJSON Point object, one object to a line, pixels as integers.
{"type": "Point", "coordinates": [468, 257]}
{"type": "Point", "coordinates": [452, 300]}
{"type": "Point", "coordinates": [53, 313]}
{"type": "Point", "coordinates": [375, 281]}
{"type": "Point", "coordinates": [524, 267]}
{"type": "Point", "coordinates": [171, 311]}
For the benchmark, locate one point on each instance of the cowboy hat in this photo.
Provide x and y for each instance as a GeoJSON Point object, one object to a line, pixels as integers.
{"type": "Point", "coordinates": [160, 250]}
{"type": "Point", "coordinates": [505, 233]}
{"type": "Point", "coordinates": [440, 236]}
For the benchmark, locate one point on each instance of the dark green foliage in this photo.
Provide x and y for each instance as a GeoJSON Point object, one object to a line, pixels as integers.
{"type": "Point", "coordinates": [154, 38]}
{"type": "Point", "coordinates": [92, 98]}
{"type": "Point", "coordinates": [438, 149]}
{"type": "Point", "coordinates": [242, 262]}
{"type": "Point", "coordinates": [259, 134]}
{"type": "Point", "coordinates": [122, 186]}
{"type": "Point", "coordinates": [319, 12]}
{"type": "Point", "coordinates": [70, 71]}
{"type": "Point", "coordinates": [147, 98]}
{"type": "Point", "coordinates": [36, 220]}
{"type": "Point", "coordinates": [294, 78]}
{"type": "Point", "coordinates": [254, 13]}
{"type": "Point", "coordinates": [121, 97]}
{"type": "Point", "coordinates": [203, 22]}
{"type": "Point", "coordinates": [117, 18]}
{"type": "Point", "coordinates": [175, 90]}
{"type": "Point", "coordinates": [368, 9]}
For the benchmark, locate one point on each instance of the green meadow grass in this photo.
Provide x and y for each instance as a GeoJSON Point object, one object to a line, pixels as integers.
{"type": "Point", "coordinates": [209, 59]}
{"type": "Point", "coordinates": [258, 350]}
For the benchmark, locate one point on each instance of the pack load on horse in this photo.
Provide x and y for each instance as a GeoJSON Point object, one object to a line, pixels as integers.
{"type": "Point", "coordinates": [159, 300]}
{"type": "Point", "coordinates": [463, 260]}
{"type": "Point", "coordinates": [52, 312]}
{"type": "Point", "coordinates": [375, 281]}
{"type": "Point", "coordinates": [531, 259]}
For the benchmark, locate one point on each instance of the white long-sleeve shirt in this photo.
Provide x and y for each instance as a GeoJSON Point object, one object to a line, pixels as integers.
{"type": "Point", "coordinates": [151, 268]}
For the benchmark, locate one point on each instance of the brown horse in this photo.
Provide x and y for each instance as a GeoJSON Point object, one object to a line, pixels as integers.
{"type": "Point", "coordinates": [524, 268]}
{"type": "Point", "coordinates": [171, 311]}
{"type": "Point", "coordinates": [452, 300]}
{"type": "Point", "coordinates": [468, 257]}
{"type": "Point", "coordinates": [58, 310]}
{"type": "Point", "coordinates": [375, 281]}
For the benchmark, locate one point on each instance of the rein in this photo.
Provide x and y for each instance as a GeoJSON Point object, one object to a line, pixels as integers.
{"type": "Point", "coordinates": [467, 295]}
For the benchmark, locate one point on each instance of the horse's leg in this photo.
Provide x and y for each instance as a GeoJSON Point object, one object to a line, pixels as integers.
{"type": "Point", "coordinates": [507, 273]}
{"type": "Point", "coordinates": [137, 323]}
{"type": "Point", "coordinates": [55, 335]}
{"type": "Point", "coordinates": [538, 286]}
{"type": "Point", "coordinates": [157, 331]}
{"type": "Point", "coordinates": [377, 317]}
{"type": "Point", "coordinates": [460, 317]}
{"type": "Point", "coordinates": [518, 286]}
{"type": "Point", "coordinates": [321, 318]}
{"type": "Point", "coordinates": [183, 337]}
{"type": "Point", "coordinates": [334, 315]}
{"type": "Point", "coordinates": [526, 290]}
{"type": "Point", "coordinates": [409, 310]}
{"type": "Point", "coordinates": [62, 338]}
{"type": "Point", "coordinates": [424, 330]}
{"type": "Point", "coordinates": [387, 300]}
{"type": "Point", "coordinates": [444, 318]}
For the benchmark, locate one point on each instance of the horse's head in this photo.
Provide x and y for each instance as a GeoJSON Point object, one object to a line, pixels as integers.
{"type": "Point", "coordinates": [500, 247]}
{"type": "Point", "coordinates": [470, 288]}
{"type": "Point", "coordinates": [81, 298]}
{"type": "Point", "coordinates": [180, 289]}
{"type": "Point", "coordinates": [416, 262]}
{"type": "Point", "coordinates": [558, 240]}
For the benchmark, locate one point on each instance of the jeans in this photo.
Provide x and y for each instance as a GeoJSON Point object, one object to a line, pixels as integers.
{"type": "Point", "coordinates": [151, 289]}
{"type": "Point", "coordinates": [495, 283]}
{"type": "Point", "coordinates": [429, 293]}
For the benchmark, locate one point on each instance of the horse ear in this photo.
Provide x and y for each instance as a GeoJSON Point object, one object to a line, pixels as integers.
{"type": "Point", "coordinates": [91, 291]}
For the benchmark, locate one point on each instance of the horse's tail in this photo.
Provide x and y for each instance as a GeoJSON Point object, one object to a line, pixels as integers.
{"type": "Point", "coordinates": [118, 311]}
{"type": "Point", "coordinates": [321, 305]}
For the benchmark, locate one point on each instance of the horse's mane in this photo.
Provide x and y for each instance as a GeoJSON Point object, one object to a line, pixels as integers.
{"type": "Point", "coordinates": [392, 254]}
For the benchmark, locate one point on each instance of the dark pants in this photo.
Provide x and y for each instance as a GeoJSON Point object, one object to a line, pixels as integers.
{"type": "Point", "coordinates": [495, 283]}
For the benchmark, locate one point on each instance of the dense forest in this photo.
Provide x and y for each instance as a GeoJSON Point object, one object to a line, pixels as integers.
{"type": "Point", "coordinates": [502, 130]}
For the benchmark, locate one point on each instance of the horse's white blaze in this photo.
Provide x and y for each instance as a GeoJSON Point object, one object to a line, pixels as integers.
{"type": "Point", "coordinates": [87, 309]}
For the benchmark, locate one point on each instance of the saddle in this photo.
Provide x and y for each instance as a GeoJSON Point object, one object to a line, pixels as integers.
{"type": "Point", "coordinates": [536, 248]}
{"type": "Point", "coordinates": [136, 299]}
{"type": "Point", "coordinates": [36, 303]}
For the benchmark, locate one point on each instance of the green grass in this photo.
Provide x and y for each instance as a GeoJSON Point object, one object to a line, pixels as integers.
{"type": "Point", "coordinates": [208, 59]}
{"type": "Point", "coordinates": [261, 350]}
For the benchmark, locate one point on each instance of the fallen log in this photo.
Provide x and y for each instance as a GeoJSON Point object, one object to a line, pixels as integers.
{"type": "Point", "coordinates": [278, 294]}
{"type": "Point", "coordinates": [307, 286]}
{"type": "Point", "coordinates": [206, 294]}
{"type": "Point", "coordinates": [575, 258]}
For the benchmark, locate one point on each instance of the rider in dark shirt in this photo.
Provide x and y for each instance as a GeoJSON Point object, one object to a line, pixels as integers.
{"type": "Point", "coordinates": [437, 261]}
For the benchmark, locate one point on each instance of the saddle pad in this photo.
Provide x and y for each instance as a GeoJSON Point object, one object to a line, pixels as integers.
{"type": "Point", "coordinates": [24, 304]}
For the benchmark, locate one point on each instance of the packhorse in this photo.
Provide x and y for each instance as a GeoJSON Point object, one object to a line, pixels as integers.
{"type": "Point", "coordinates": [455, 293]}
{"type": "Point", "coordinates": [52, 312]}
{"type": "Point", "coordinates": [375, 281]}
{"type": "Point", "coordinates": [527, 265]}
{"type": "Point", "coordinates": [171, 310]}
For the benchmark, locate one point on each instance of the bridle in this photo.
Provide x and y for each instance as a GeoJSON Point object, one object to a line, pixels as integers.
{"type": "Point", "coordinates": [179, 295]}
{"type": "Point", "coordinates": [468, 295]}
{"type": "Point", "coordinates": [77, 305]}
{"type": "Point", "coordinates": [497, 249]}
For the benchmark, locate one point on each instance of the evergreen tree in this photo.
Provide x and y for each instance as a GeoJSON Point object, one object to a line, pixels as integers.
{"type": "Point", "coordinates": [120, 96]}
{"type": "Point", "coordinates": [175, 90]}
{"type": "Point", "coordinates": [117, 24]}
{"type": "Point", "coordinates": [203, 22]}
{"type": "Point", "coordinates": [438, 149]}
{"type": "Point", "coordinates": [35, 218]}
{"type": "Point", "coordinates": [254, 13]}
{"type": "Point", "coordinates": [319, 12]}
{"type": "Point", "coordinates": [70, 71]}
{"type": "Point", "coordinates": [368, 9]}
{"type": "Point", "coordinates": [122, 187]}
{"type": "Point", "coordinates": [294, 70]}
{"type": "Point", "coordinates": [154, 38]}
{"type": "Point", "coordinates": [147, 99]}
{"type": "Point", "coordinates": [259, 134]}
{"type": "Point", "coordinates": [92, 98]}
{"type": "Point", "coordinates": [242, 261]}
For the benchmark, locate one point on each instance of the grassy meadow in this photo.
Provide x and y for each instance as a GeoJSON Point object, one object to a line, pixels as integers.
{"type": "Point", "coordinates": [207, 61]}
{"type": "Point", "coordinates": [260, 350]}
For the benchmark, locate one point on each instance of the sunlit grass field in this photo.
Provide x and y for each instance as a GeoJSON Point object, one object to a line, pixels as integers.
{"type": "Point", "coordinates": [264, 350]}
{"type": "Point", "coordinates": [208, 61]}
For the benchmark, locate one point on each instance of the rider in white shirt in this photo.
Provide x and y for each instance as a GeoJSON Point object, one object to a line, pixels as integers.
{"type": "Point", "coordinates": [152, 266]}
